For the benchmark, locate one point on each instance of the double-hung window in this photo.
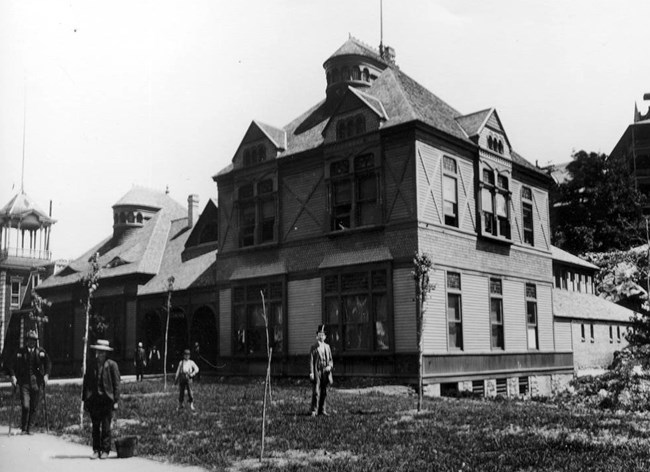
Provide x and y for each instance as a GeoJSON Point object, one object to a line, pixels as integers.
{"type": "Point", "coordinates": [495, 205]}
{"type": "Point", "coordinates": [249, 323]}
{"type": "Point", "coordinates": [450, 191]}
{"type": "Point", "coordinates": [527, 215]}
{"type": "Point", "coordinates": [15, 294]}
{"type": "Point", "coordinates": [354, 193]}
{"type": "Point", "coordinates": [257, 213]}
{"type": "Point", "coordinates": [357, 312]}
{"type": "Point", "coordinates": [531, 316]}
{"type": "Point", "coordinates": [454, 311]}
{"type": "Point", "coordinates": [496, 314]}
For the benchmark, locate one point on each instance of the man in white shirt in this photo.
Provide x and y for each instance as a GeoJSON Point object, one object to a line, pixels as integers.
{"type": "Point", "coordinates": [187, 369]}
{"type": "Point", "coordinates": [320, 372]}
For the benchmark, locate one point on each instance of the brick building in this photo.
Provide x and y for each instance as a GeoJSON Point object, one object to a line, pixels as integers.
{"type": "Point", "coordinates": [323, 217]}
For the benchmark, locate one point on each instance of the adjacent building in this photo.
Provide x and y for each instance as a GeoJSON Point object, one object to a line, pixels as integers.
{"type": "Point", "coordinates": [319, 221]}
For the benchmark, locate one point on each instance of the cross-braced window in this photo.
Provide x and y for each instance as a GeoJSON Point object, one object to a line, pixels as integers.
{"type": "Point", "coordinates": [496, 314]}
{"type": "Point", "coordinates": [354, 193]}
{"type": "Point", "coordinates": [450, 191]}
{"type": "Point", "coordinates": [527, 215]}
{"type": "Point", "coordinates": [495, 205]}
{"type": "Point", "coordinates": [248, 323]}
{"type": "Point", "coordinates": [531, 316]}
{"type": "Point", "coordinates": [357, 312]}
{"type": "Point", "coordinates": [257, 213]}
{"type": "Point", "coordinates": [454, 311]}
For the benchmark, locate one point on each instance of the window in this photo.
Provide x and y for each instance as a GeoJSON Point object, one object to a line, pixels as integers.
{"type": "Point", "coordinates": [351, 126]}
{"type": "Point", "coordinates": [454, 311]}
{"type": "Point", "coordinates": [618, 334]}
{"type": "Point", "coordinates": [357, 312]}
{"type": "Point", "coordinates": [254, 154]}
{"type": "Point", "coordinates": [495, 204]}
{"type": "Point", "coordinates": [524, 386]}
{"type": "Point", "coordinates": [450, 191]}
{"type": "Point", "coordinates": [15, 294]}
{"type": "Point", "coordinates": [527, 215]}
{"type": "Point", "coordinates": [257, 213]}
{"type": "Point", "coordinates": [582, 332]}
{"type": "Point", "coordinates": [611, 334]}
{"type": "Point", "coordinates": [248, 314]}
{"type": "Point", "coordinates": [531, 316]}
{"type": "Point", "coordinates": [354, 193]}
{"type": "Point", "coordinates": [591, 331]}
{"type": "Point", "coordinates": [496, 314]}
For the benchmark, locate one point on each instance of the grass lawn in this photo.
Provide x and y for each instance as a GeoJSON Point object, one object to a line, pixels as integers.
{"type": "Point", "coordinates": [368, 430]}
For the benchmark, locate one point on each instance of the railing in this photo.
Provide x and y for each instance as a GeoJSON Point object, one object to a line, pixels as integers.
{"type": "Point", "coordinates": [25, 253]}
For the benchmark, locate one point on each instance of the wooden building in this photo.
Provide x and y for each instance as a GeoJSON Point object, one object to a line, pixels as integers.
{"type": "Point", "coordinates": [323, 217]}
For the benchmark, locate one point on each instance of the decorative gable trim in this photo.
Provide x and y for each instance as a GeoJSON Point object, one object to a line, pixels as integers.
{"type": "Point", "coordinates": [263, 140]}
{"type": "Point", "coordinates": [368, 102]}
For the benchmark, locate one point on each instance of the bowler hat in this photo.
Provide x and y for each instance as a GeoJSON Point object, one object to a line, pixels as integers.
{"type": "Point", "coordinates": [186, 351]}
{"type": "Point", "coordinates": [321, 329]}
{"type": "Point", "coordinates": [31, 334]}
{"type": "Point", "coordinates": [102, 345]}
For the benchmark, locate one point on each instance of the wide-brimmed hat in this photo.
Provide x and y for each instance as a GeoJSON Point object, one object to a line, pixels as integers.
{"type": "Point", "coordinates": [101, 345]}
{"type": "Point", "coordinates": [321, 329]}
{"type": "Point", "coordinates": [31, 334]}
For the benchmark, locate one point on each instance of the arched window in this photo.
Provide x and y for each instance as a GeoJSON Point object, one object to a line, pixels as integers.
{"type": "Point", "coordinates": [138, 217]}
{"type": "Point", "coordinates": [345, 74]}
{"type": "Point", "coordinates": [350, 127]}
{"type": "Point", "coordinates": [131, 217]}
{"type": "Point", "coordinates": [490, 143]}
{"type": "Point", "coordinates": [122, 217]}
{"type": "Point", "coordinates": [500, 146]}
{"type": "Point", "coordinates": [335, 76]}
{"type": "Point", "coordinates": [360, 123]}
{"type": "Point", "coordinates": [356, 73]}
{"type": "Point", "coordinates": [340, 130]}
{"type": "Point", "coordinates": [366, 74]}
{"type": "Point", "coordinates": [261, 153]}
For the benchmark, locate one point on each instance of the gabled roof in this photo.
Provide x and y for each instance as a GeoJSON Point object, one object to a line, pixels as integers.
{"type": "Point", "coordinates": [20, 206]}
{"type": "Point", "coordinates": [577, 305]}
{"type": "Point", "coordinates": [208, 215]}
{"type": "Point", "coordinates": [373, 103]}
{"type": "Point", "coordinates": [473, 123]}
{"type": "Point", "coordinates": [277, 136]}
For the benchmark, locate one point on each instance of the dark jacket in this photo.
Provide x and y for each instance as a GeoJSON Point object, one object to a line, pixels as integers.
{"type": "Point", "coordinates": [318, 362]}
{"type": "Point", "coordinates": [25, 366]}
{"type": "Point", "coordinates": [110, 381]}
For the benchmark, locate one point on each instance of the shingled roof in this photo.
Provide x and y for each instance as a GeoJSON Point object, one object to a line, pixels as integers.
{"type": "Point", "coordinates": [22, 205]}
{"type": "Point", "coordinates": [577, 305]}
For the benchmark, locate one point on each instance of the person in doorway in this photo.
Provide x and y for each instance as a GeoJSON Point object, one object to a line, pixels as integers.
{"type": "Point", "coordinates": [101, 396]}
{"type": "Point", "coordinates": [154, 360]}
{"type": "Point", "coordinates": [320, 372]}
{"type": "Point", "coordinates": [140, 362]}
{"type": "Point", "coordinates": [30, 371]}
{"type": "Point", "coordinates": [186, 371]}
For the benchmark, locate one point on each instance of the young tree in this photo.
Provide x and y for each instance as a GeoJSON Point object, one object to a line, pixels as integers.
{"type": "Point", "coordinates": [170, 289]}
{"type": "Point", "coordinates": [267, 382]}
{"type": "Point", "coordinates": [37, 313]}
{"type": "Point", "coordinates": [90, 281]}
{"type": "Point", "coordinates": [422, 267]}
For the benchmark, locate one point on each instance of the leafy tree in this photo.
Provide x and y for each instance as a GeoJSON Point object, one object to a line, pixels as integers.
{"type": "Point", "coordinates": [422, 267]}
{"type": "Point", "coordinates": [599, 208]}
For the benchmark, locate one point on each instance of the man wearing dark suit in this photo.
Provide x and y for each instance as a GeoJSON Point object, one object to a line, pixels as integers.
{"type": "Point", "coordinates": [320, 372]}
{"type": "Point", "coordinates": [30, 370]}
{"type": "Point", "coordinates": [101, 395]}
{"type": "Point", "coordinates": [139, 361]}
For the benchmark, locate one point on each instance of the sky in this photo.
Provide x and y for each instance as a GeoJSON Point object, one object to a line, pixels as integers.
{"type": "Point", "coordinates": [99, 96]}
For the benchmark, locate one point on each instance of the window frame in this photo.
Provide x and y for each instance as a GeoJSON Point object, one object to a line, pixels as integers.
{"type": "Point", "coordinates": [347, 215]}
{"type": "Point", "coordinates": [456, 293]}
{"type": "Point", "coordinates": [255, 232]}
{"type": "Point", "coordinates": [14, 297]}
{"type": "Point", "coordinates": [272, 287]}
{"type": "Point", "coordinates": [494, 188]}
{"type": "Point", "coordinates": [530, 299]}
{"type": "Point", "coordinates": [527, 204]}
{"type": "Point", "coordinates": [337, 325]}
{"type": "Point", "coordinates": [451, 175]}
{"type": "Point", "coordinates": [497, 297]}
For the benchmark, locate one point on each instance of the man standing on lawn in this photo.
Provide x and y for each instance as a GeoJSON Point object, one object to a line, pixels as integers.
{"type": "Point", "coordinates": [320, 372]}
{"type": "Point", "coordinates": [140, 362]}
{"type": "Point", "coordinates": [30, 370]}
{"type": "Point", "coordinates": [101, 395]}
{"type": "Point", "coordinates": [186, 371]}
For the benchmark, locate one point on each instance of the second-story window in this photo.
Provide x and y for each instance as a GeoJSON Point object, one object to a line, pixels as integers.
{"type": "Point", "coordinates": [450, 191]}
{"type": "Point", "coordinates": [527, 215]}
{"type": "Point", "coordinates": [257, 213]}
{"type": "Point", "coordinates": [15, 294]}
{"type": "Point", "coordinates": [354, 193]}
{"type": "Point", "coordinates": [495, 205]}
{"type": "Point", "coordinates": [496, 314]}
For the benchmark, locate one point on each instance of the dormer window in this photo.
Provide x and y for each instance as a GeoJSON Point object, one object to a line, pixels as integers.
{"type": "Point", "coordinates": [351, 126]}
{"type": "Point", "coordinates": [495, 205]}
{"type": "Point", "coordinates": [254, 155]}
{"type": "Point", "coordinates": [495, 144]}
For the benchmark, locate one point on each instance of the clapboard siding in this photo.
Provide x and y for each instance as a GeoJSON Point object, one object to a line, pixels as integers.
{"type": "Point", "coordinates": [225, 322]}
{"type": "Point", "coordinates": [404, 311]}
{"type": "Point", "coordinates": [545, 317]}
{"type": "Point", "coordinates": [304, 314]}
{"type": "Point", "coordinates": [435, 318]}
{"type": "Point", "coordinates": [563, 339]}
{"type": "Point", "coordinates": [476, 313]}
{"type": "Point", "coordinates": [514, 316]}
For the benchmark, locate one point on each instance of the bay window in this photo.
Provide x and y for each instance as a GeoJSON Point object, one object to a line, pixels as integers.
{"type": "Point", "coordinates": [495, 205]}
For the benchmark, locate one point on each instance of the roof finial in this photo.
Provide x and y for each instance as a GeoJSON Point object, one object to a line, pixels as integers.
{"type": "Point", "coordinates": [381, 28]}
{"type": "Point", "coordinates": [167, 190]}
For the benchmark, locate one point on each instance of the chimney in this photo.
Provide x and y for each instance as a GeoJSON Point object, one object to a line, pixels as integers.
{"type": "Point", "coordinates": [192, 209]}
{"type": "Point", "coordinates": [387, 53]}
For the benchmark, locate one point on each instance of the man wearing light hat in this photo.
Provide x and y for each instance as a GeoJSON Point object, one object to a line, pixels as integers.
{"type": "Point", "coordinates": [320, 372]}
{"type": "Point", "coordinates": [101, 395]}
{"type": "Point", "coordinates": [30, 370]}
